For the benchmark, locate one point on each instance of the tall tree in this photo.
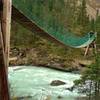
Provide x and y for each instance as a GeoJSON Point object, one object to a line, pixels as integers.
{"type": "Point", "coordinates": [82, 16]}
{"type": "Point", "coordinates": [91, 77]}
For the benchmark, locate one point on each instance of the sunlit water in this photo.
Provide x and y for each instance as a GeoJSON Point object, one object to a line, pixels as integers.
{"type": "Point", "coordinates": [34, 82]}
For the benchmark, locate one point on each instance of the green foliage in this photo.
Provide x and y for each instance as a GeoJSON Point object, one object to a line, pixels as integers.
{"type": "Point", "coordinates": [91, 76]}
{"type": "Point", "coordinates": [21, 36]}
{"type": "Point", "coordinates": [82, 13]}
{"type": "Point", "coordinates": [82, 18]}
{"type": "Point", "coordinates": [60, 15]}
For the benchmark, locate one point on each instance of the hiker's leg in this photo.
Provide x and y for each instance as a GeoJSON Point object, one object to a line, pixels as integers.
{"type": "Point", "coordinates": [86, 51]}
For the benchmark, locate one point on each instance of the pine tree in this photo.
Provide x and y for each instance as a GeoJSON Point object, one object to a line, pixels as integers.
{"type": "Point", "coordinates": [82, 18]}
{"type": "Point", "coordinates": [82, 13]}
{"type": "Point", "coordinates": [91, 76]}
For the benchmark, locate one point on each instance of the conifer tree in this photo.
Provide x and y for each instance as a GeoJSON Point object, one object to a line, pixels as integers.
{"type": "Point", "coordinates": [82, 13]}
{"type": "Point", "coordinates": [91, 77]}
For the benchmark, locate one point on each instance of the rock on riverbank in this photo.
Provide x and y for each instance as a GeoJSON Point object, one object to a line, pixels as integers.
{"type": "Point", "coordinates": [32, 56]}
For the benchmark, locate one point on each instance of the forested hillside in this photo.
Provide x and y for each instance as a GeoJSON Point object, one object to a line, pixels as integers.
{"type": "Point", "coordinates": [70, 14]}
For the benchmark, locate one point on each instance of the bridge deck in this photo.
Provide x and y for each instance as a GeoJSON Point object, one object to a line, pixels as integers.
{"type": "Point", "coordinates": [30, 25]}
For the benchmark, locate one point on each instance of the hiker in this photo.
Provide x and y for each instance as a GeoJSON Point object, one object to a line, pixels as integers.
{"type": "Point", "coordinates": [91, 33]}
{"type": "Point", "coordinates": [93, 44]}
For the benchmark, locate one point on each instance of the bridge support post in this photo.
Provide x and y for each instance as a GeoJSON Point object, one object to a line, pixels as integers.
{"type": "Point", "coordinates": [5, 23]}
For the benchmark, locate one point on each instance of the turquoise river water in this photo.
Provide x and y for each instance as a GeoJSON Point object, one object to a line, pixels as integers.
{"type": "Point", "coordinates": [34, 83]}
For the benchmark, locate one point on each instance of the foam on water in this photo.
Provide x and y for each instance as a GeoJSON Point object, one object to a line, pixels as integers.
{"type": "Point", "coordinates": [35, 81]}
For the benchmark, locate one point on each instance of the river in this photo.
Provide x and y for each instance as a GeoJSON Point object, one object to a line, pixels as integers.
{"type": "Point", "coordinates": [33, 83]}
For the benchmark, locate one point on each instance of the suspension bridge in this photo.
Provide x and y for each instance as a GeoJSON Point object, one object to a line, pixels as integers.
{"type": "Point", "coordinates": [31, 15]}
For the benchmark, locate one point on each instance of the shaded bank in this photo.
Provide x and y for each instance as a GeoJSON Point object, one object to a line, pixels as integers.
{"type": "Point", "coordinates": [38, 57]}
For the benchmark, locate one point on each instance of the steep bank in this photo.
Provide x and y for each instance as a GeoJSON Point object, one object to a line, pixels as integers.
{"type": "Point", "coordinates": [30, 49]}
{"type": "Point", "coordinates": [41, 57]}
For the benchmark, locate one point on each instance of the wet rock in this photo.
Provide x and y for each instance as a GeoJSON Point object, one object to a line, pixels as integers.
{"type": "Point", "coordinates": [57, 83]}
{"type": "Point", "coordinates": [59, 97]}
{"type": "Point", "coordinates": [71, 88]}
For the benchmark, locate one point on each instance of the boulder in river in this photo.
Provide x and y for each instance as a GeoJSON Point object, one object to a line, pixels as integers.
{"type": "Point", "coordinates": [57, 83]}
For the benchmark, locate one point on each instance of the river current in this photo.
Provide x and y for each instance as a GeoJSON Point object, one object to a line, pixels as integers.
{"type": "Point", "coordinates": [33, 83]}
